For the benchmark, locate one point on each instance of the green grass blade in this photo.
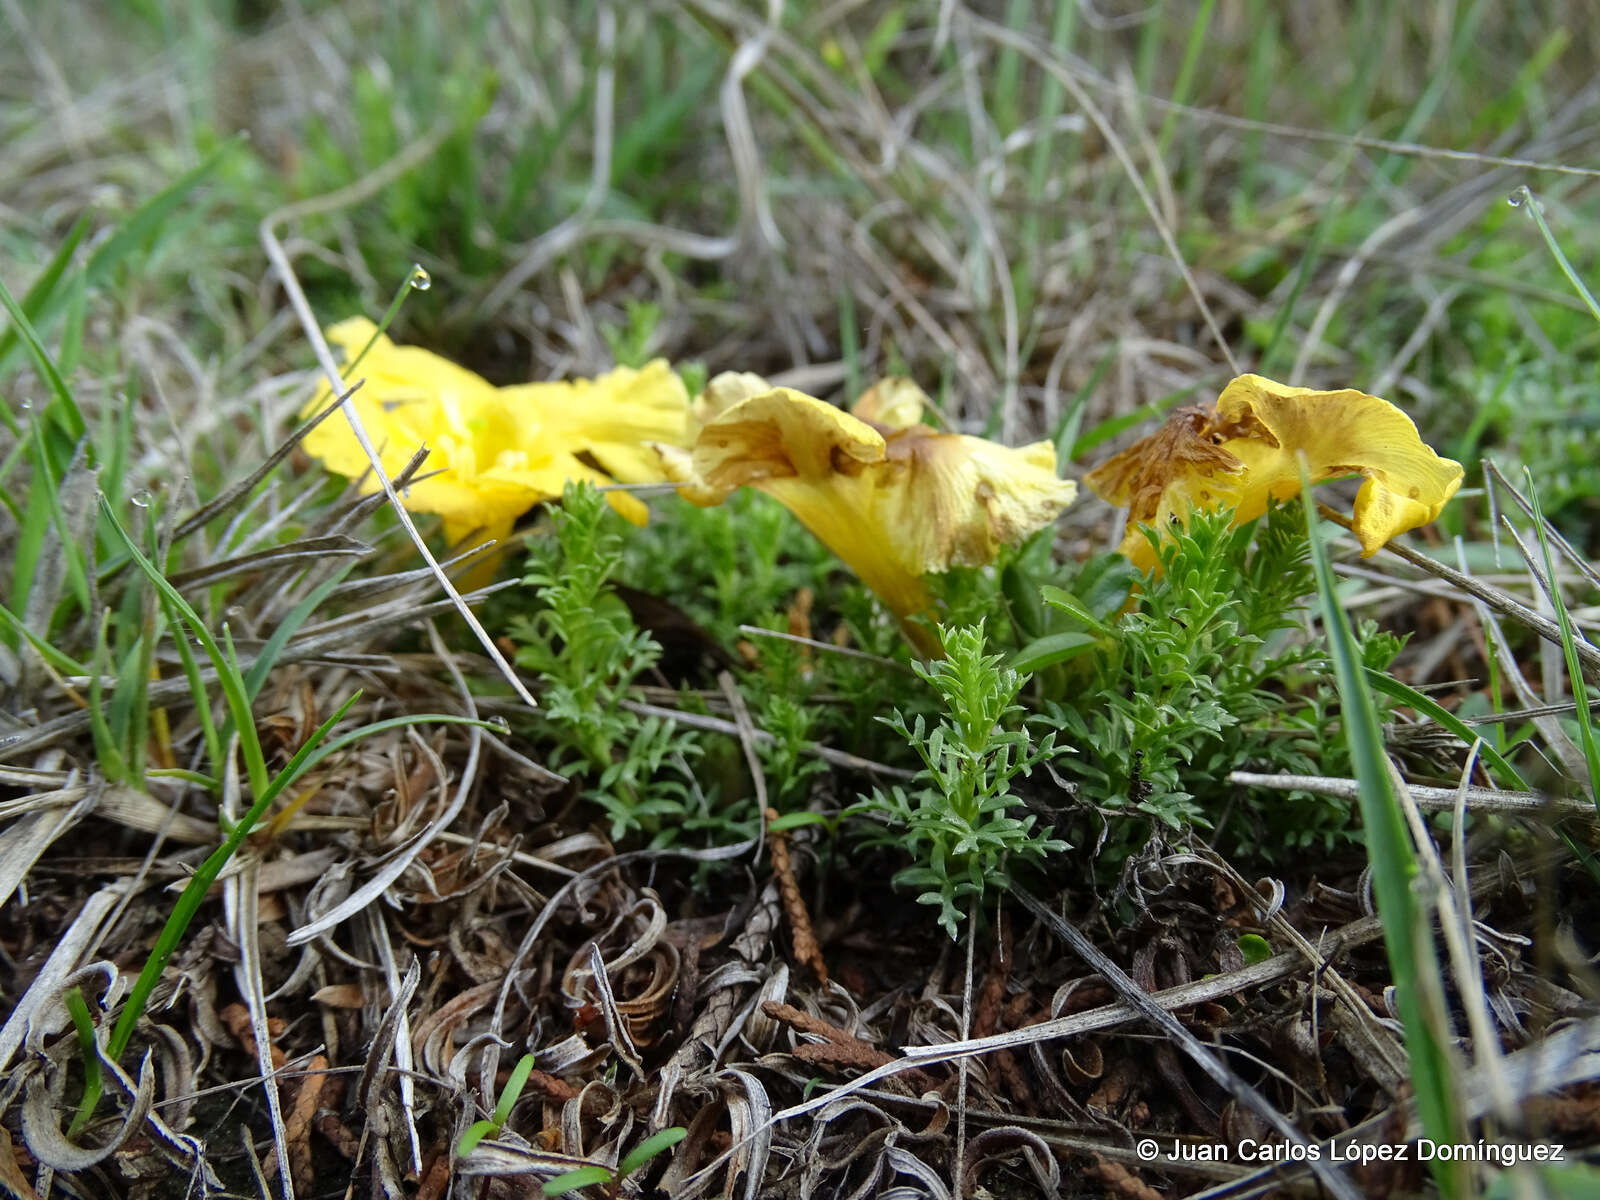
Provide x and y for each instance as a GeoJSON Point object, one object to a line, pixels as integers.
{"type": "Point", "coordinates": [1005, 104]}
{"type": "Point", "coordinates": [129, 714]}
{"type": "Point", "coordinates": [143, 223]}
{"type": "Point", "coordinates": [517, 1080]}
{"type": "Point", "coordinates": [573, 1181]}
{"type": "Point", "coordinates": [311, 753]}
{"type": "Point", "coordinates": [58, 659]}
{"type": "Point", "coordinates": [416, 280]}
{"type": "Point", "coordinates": [1065, 436]}
{"type": "Point", "coordinates": [653, 1145]}
{"type": "Point", "coordinates": [1044, 161]}
{"type": "Point", "coordinates": [1524, 198]}
{"type": "Point", "coordinates": [256, 677]}
{"type": "Point", "coordinates": [1406, 924]}
{"type": "Point", "coordinates": [108, 754]}
{"type": "Point", "coordinates": [1430, 708]}
{"type": "Point", "coordinates": [1569, 648]}
{"type": "Point", "coordinates": [65, 409]}
{"type": "Point", "coordinates": [1495, 117]}
{"type": "Point", "coordinates": [1185, 82]}
{"type": "Point", "coordinates": [70, 347]}
{"type": "Point", "coordinates": [194, 894]}
{"type": "Point", "coordinates": [661, 126]}
{"type": "Point", "coordinates": [474, 1134]}
{"type": "Point", "coordinates": [197, 693]}
{"type": "Point", "coordinates": [850, 344]}
{"type": "Point", "coordinates": [43, 287]}
{"type": "Point", "coordinates": [233, 688]}
{"type": "Point", "coordinates": [296, 617]}
{"type": "Point", "coordinates": [115, 450]}
{"type": "Point", "coordinates": [45, 511]}
{"type": "Point", "coordinates": [78, 1009]}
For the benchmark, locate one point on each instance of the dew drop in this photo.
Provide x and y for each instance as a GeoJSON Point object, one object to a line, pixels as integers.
{"type": "Point", "coordinates": [25, 404]}
{"type": "Point", "coordinates": [140, 499]}
{"type": "Point", "coordinates": [499, 725]}
{"type": "Point", "coordinates": [420, 280]}
{"type": "Point", "coordinates": [1519, 197]}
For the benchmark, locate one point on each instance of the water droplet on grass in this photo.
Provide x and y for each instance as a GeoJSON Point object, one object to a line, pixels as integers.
{"type": "Point", "coordinates": [420, 280]}
{"type": "Point", "coordinates": [1520, 196]}
{"type": "Point", "coordinates": [499, 725]}
{"type": "Point", "coordinates": [140, 499]}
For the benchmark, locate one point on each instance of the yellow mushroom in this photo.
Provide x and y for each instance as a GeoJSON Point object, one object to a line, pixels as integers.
{"type": "Point", "coordinates": [496, 452]}
{"type": "Point", "coordinates": [895, 502]}
{"type": "Point", "coordinates": [1244, 451]}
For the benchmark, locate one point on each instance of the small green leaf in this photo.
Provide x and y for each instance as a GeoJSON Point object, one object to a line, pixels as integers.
{"type": "Point", "coordinates": [572, 1181]}
{"type": "Point", "coordinates": [1068, 603]}
{"type": "Point", "coordinates": [475, 1133]}
{"type": "Point", "coordinates": [796, 820]}
{"type": "Point", "coordinates": [1106, 583]}
{"type": "Point", "coordinates": [1051, 649]}
{"type": "Point", "coordinates": [649, 1148]}
{"type": "Point", "coordinates": [1255, 948]}
{"type": "Point", "coordinates": [1021, 591]}
{"type": "Point", "coordinates": [517, 1080]}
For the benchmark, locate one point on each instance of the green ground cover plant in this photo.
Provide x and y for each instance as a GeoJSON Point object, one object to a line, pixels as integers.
{"type": "Point", "coordinates": [584, 646]}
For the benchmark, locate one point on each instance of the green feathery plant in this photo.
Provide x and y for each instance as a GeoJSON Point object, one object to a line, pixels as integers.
{"type": "Point", "coordinates": [724, 565]}
{"type": "Point", "coordinates": [962, 823]}
{"type": "Point", "coordinates": [1199, 676]}
{"type": "Point", "coordinates": [583, 643]}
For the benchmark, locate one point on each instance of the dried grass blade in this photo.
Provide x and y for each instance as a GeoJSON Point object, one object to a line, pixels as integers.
{"type": "Point", "coordinates": [1434, 799]}
{"type": "Point", "coordinates": [395, 865]}
{"type": "Point", "coordinates": [403, 1060]}
{"type": "Point", "coordinates": [25, 840]}
{"type": "Point", "coordinates": [233, 495]}
{"type": "Point", "coordinates": [241, 909]}
{"type": "Point", "coordinates": [314, 551]}
{"type": "Point", "coordinates": [750, 1120]}
{"type": "Point", "coordinates": [616, 1028]}
{"type": "Point", "coordinates": [302, 308]}
{"type": "Point", "coordinates": [44, 1095]}
{"type": "Point", "coordinates": [376, 1069]}
{"type": "Point", "coordinates": [1501, 602]}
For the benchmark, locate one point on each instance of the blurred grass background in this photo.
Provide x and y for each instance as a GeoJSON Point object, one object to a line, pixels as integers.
{"type": "Point", "coordinates": [986, 196]}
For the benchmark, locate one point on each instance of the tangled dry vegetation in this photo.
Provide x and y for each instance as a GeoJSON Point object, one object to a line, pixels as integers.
{"type": "Point", "coordinates": [426, 904]}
